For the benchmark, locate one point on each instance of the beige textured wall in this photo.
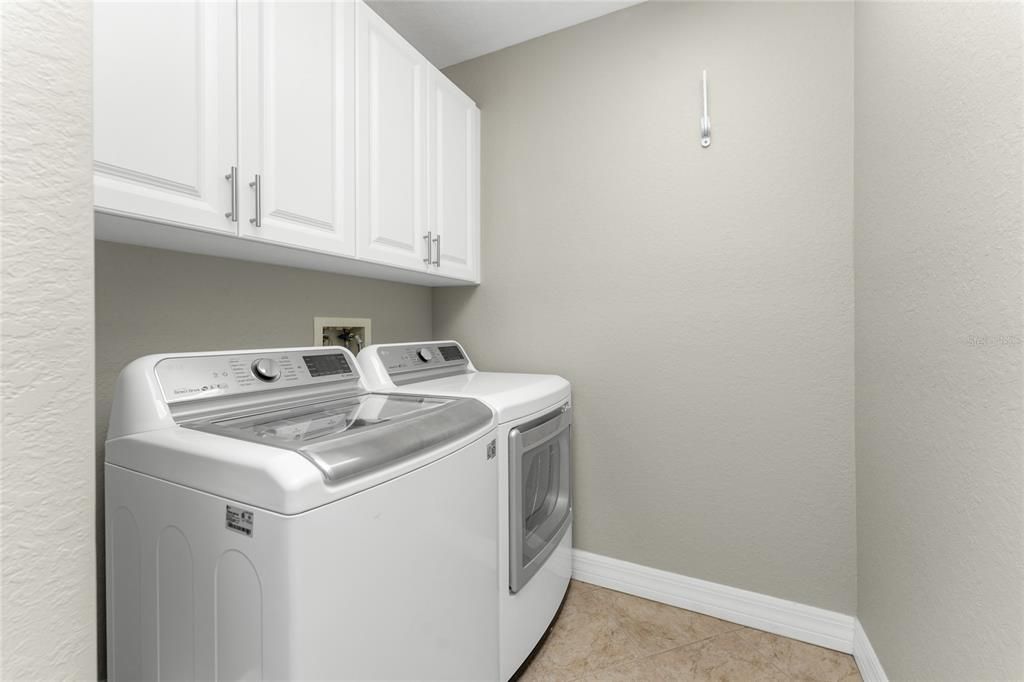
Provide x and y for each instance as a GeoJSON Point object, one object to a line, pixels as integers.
{"type": "Point", "coordinates": [940, 388]}
{"type": "Point", "coordinates": [701, 301]}
{"type": "Point", "coordinates": [47, 495]}
{"type": "Point", "coordinates": [154, 301]}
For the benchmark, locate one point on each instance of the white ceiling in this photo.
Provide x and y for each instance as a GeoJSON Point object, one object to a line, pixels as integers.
{"type": "Point", "coordinates": [451, 31]}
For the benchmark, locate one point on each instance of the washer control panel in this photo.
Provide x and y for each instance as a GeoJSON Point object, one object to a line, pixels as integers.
{"type": "Point", "coordinates": [415, 357]}
{"type": "Point", "coordinates": [206, 376]}
{"type": "Point", "coordinates": [266, 369]}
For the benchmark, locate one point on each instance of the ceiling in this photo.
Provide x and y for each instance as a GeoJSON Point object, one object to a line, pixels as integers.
{"type": "Point", "coordinates": [447, 32]}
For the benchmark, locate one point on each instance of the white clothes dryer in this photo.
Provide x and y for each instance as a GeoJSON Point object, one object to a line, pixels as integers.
{"type": "Point", "coordinates": [534, 475]}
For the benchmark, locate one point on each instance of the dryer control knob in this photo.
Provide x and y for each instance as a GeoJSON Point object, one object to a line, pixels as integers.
{"type": "Point", "coordinates": [425, 354]}
{"type": "Point", "coordinates": [266, 369]}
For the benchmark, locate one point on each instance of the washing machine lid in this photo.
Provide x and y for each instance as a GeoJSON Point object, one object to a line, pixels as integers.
{"type": "Point", "coordinates": [351, 436]}
{"type": "Point", "coordinates": [443, 368]}
{"type": "Point", "coordinates": [512, 396]}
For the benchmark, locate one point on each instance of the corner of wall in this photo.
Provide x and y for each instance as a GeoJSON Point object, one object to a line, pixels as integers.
{"type": "Point", "coordinates": [48, 512]}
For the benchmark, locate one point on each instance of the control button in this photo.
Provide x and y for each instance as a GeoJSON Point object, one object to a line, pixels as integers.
{"type": "Point", "coordinates": [266, 369]}
{"type": "Point", "coordinates": [425, 354]}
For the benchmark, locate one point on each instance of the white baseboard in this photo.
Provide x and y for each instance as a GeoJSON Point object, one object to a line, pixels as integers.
{"type": "Point", "coordinates": [867, 660]}
{"type": "Point", "coordinates": [771, 614]}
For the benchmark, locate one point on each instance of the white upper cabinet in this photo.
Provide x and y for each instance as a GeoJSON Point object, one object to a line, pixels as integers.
{"type": "Point", "coordinates": [391, 127]}
{"type": "Point", "coordinates": [454, 180]}
{"type": "Point", "coordinates": [305, 133]}
{"type": "Point", "coordinates": [296, 123]}
{"type": "Point", "coordinates": [164, 111]}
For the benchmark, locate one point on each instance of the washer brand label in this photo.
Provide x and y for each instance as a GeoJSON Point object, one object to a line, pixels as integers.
{"type": "Point", "coordinates": [239, 520]}
{"type": "Point", "coordinates": [492, 449]}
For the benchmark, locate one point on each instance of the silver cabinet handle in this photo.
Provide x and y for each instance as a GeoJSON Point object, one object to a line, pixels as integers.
{"type": "Point", "coordinates": [429, 242]}
{"type": "Point", "coordinates": [232, 177]}
{"type": "Point", "coordinates": [437, 245]}
{"type": "Point", "coordinates": [258, 220]}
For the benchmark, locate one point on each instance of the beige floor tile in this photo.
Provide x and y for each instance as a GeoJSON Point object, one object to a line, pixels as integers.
{"type": "Point", "coordinates": [602, 635]}
{"type": "Point", "coordinates": [659, 627]}
{"type": "Point", "coordinates": [581, 586]}
{"type": "Point", "coordinates": [539, 671]}
{"type": "Point", "coordinates": [801, 661]}
{"type": "Point", "coordinates": [723, 658]}
{"type": "Point", "coordinates": [588, 635]}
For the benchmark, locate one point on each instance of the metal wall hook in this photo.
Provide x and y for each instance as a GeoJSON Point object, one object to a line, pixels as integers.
{"type": "Point", "coordinates": [705, 121]}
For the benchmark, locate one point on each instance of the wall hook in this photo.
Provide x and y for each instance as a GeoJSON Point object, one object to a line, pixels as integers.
{"type": "Point", "coordinates": [705, 121]}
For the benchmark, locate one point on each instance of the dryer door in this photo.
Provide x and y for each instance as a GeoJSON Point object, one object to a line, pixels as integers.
{"type": "Point", "coordinates": [540, 497]}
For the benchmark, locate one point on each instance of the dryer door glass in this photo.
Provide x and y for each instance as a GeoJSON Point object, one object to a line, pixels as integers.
{"type": "Point", "coordinates": [540, 503]}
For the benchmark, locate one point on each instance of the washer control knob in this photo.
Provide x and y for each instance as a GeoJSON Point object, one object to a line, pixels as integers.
{"type": "Point", "coordinates": [425, 354]}
{"type": "Point", "coordinates": [266, 369]}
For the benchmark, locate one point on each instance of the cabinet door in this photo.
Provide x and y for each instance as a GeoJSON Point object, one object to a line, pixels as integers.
{"type": "Point", "coordinates": [296, 124]}
{"type": "Point", "coordinates": [164, 82]}
{"type": "Point", "coordinates": [391, 138]}
{"type": "Point", "coordinates": [454, 180]}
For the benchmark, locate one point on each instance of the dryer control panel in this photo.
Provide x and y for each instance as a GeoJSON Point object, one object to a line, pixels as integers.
{"type": "Point", "coordinates": [399, 359]}
{"type": "Point", "coordinates": [217, 375]}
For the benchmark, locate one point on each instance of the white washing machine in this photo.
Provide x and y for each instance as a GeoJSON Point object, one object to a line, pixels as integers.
{"type": "Point", "coordinates": [534, 487]}
{"type": "Point", "coordinates": [268, 519]}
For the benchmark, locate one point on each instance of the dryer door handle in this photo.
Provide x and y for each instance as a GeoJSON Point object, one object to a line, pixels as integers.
{"type": "Point", "coordinates": [539, 433]}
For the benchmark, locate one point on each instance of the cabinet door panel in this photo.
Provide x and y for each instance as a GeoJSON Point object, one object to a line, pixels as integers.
{"type": "Point", "coordinates": [296, 125]}
{"type": "Point", "coordinates": [391, 127]}
{"type": "Point", "coordinates": [454, 179]}
{"type": "Point", "coordinates": [164, 110]}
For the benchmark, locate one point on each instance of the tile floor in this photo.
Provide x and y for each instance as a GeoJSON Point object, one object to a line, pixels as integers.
{"type": "Point", "coordinates": [604, 635]}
